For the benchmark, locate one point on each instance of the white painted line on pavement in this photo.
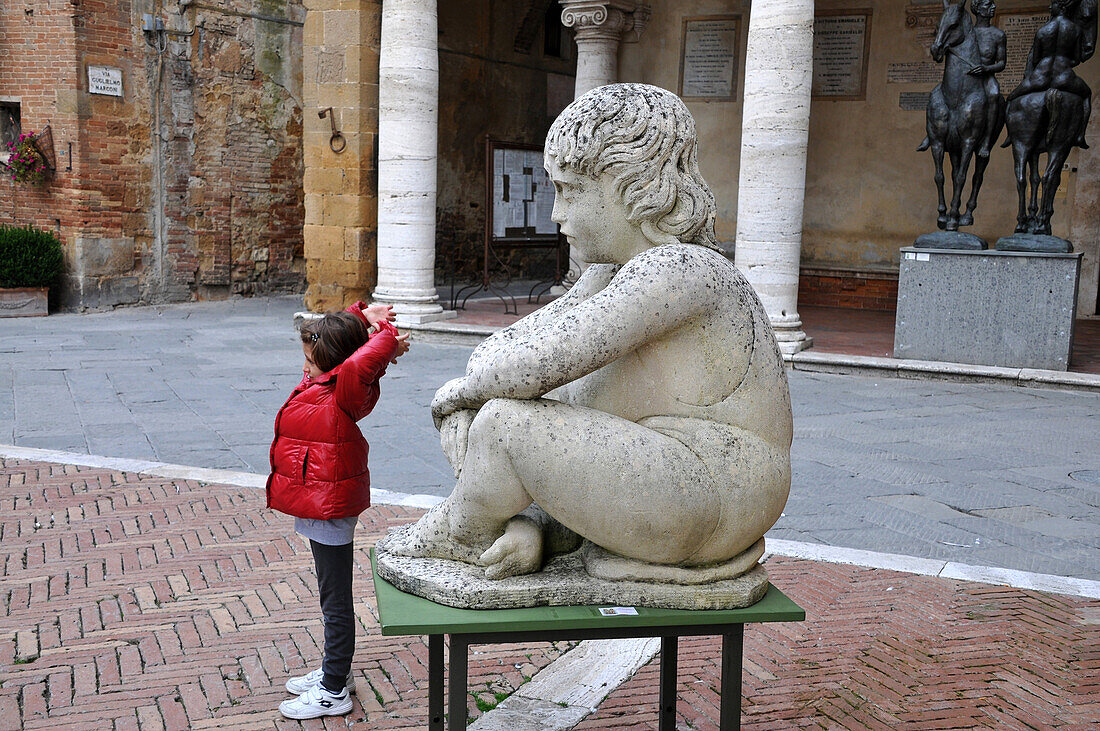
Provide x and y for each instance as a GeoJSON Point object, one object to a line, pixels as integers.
{"type": "Point", "coordinates": [931, 567]}
{"type": "Point", "coordinates": [794, 549]}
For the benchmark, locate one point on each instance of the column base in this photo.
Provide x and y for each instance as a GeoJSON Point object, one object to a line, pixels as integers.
{"type": "Point", "coordinates": [419, 318]}
{"type": "Point", "coordinates": [413, 307]}
{"type": "Point", "coordinates": [793, 341]}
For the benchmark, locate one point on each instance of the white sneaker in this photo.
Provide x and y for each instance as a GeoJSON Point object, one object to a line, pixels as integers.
{"type": "Point", "coordinates": [317, 702]}
{"type": "Point", "coordinates": [312, 679]}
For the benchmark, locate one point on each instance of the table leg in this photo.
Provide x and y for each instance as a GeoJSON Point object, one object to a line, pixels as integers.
{"type": "Point", "coordinates": [667, 697]}
{"type": "Point", "coordinates": [733, 645]}
{"type": "Point", "coordinates": [456, 684]}
{"type": "Point", "coordinates": [435, 682]}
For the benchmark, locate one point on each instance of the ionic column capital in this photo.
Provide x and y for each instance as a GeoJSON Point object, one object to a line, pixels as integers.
{"type": "Point", "coordinates": [606, 20]}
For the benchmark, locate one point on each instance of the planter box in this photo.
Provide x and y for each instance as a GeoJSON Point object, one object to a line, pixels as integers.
{"type": "Point", "coordinates": [23, 302]}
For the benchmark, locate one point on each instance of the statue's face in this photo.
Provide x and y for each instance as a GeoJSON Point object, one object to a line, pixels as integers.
{"type": "Point", "coordinates": [984, 8]}
{"type": "Point", "coordinates": [593, 217]}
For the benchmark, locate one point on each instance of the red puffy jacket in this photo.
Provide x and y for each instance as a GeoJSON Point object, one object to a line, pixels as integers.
{"type": "Point", "coordinates": [319, 456]}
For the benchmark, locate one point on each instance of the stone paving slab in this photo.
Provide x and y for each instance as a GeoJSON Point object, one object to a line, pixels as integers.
{"type": "Point", "coordinates": [138, 602]}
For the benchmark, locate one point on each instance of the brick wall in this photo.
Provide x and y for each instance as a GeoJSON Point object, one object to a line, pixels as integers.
{"type": "Point", "coordinates": [210, 209]}
{"type": "Point", "coordinates": [848, 288]}
{"type": "Point", "coordinates": [37, 58]}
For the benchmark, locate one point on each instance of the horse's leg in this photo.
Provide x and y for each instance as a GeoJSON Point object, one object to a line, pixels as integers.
{"type": "Point", "coordinates": [958, 180]}
{"type": "Point", "coordinates": [937, 161]}
{"type": "Point", "coordinates": [967, 218]}
{"type": "Point", "coordinates": [1051, 179]}
{"type": "Point", "coordinates": [1033, 203]}
{"type": "Point", "coordinates": [1019, 167]}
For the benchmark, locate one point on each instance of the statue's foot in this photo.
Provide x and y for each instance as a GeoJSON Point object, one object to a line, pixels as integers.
{"type": "Point", "coordinates": [429, 537]}
{"type": "Point", "coordinates": [966, 219]}
{"type": "Point", "coordinates": [941, 223]}
{"type": "Point", "coordinates": [1081, 143]}
{"type": "Point", "coordinates": [517, 552]}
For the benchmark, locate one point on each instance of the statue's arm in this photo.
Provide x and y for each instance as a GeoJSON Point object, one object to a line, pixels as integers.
{"type": "Point", "coordinates": [1000, 58]}
{"type": "Point", "coordinates": [593, 279]}
{"type": "Point", "coordinates": [1086, 17]}
{"type": "Point", "coordinates": [653, 294]}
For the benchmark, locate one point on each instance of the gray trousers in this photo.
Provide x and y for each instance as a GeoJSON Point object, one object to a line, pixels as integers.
{"type": "Point", "coordinates": [333, 564]}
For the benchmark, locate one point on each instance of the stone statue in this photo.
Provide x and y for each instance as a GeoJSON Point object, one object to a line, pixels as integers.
{"type": "Point", "coordinates": [645, 412]}
{"type": "Point", "coordinates": [965, 112]}
{"type": "Point", "coordinates": [1048, 113]}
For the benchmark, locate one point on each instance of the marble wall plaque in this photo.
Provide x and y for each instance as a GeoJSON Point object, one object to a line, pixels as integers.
{"type": "Point", "coordinates": [914, 72]}
{"type": "Point", "coordinates": [1019, 28]}
{"type": "Point", "coordinates": [913, 101]}
{"type": "Point", "coordinates": [709, 56]}
{"type": "Point", "coordinates": [104, 80]}
{"type": "Point", "coordinates": [840, 54]}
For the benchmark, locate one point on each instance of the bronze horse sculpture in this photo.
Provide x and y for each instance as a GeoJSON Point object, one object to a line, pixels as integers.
{"type": "Point", "coordinates": [966, 112]}
{"type": "Point", "coordinates": [1048, 111]}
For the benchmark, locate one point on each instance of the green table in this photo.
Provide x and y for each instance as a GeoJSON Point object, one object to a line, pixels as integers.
{"type": "Point", "coordinates": [405, 614]}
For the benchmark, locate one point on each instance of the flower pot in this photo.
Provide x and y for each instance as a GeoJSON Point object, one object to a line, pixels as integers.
{"type": "Point", "coordinates": [23, 302]}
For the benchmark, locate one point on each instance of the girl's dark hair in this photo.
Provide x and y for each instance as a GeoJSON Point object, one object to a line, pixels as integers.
{"type": "Point", "coordinates": [333, 338]}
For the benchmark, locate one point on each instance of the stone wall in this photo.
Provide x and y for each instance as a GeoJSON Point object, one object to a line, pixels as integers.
{"type": "Point", "coordinates": [205, 204]}
{"type": "Point", "coordinates": [868, 192]}
{"type": "Point", "coordinates": [340, 62]}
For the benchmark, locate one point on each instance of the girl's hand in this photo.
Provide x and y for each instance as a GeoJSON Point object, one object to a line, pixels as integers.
{"type": "Point", "coordinates": [378, 313]}
{"type": "Point", "coordinates": [402, 345]}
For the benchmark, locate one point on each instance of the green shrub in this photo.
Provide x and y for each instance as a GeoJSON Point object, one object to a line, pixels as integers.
{"type": "Point", "coordinates": [28, 257]}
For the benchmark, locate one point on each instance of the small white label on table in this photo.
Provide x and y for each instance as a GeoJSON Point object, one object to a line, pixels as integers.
{"type": "Point", "coordinates": [922, 257]}
{"type": "Point", "coordinates": [614, 611]}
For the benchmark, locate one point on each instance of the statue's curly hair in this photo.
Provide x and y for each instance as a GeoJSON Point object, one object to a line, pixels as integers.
{"type": "Point", "coordinates": [643, 136]}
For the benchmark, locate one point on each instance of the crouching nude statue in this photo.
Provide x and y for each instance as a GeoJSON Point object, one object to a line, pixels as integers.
{"type": "Point", "coordinates": [645, 412]}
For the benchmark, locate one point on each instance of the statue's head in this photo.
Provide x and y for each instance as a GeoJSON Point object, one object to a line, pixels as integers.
{"type": "Point", "coordinates": [983, 8]}
{"type": "Point", "coordinates": [642, 138]}
{"type": "Point", "coordinates": [954, 26]}
{"type": "Point", "coordinates": [1062, 7]}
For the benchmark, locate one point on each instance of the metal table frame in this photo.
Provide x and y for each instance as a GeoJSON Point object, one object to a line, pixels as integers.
{"type": "Point", "coordinates": [457, 687]}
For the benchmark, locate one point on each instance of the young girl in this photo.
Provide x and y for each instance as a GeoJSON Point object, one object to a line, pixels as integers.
{"type": "Point", "coordinates": [319, 475]}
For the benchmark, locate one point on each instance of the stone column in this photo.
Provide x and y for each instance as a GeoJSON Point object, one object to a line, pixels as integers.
{"type": "Point", "coordinates": [772, 186]}
{"type": "Point", "coordinates": [599, 28]}
{"type": "Point", "coordinates": [408, 130]}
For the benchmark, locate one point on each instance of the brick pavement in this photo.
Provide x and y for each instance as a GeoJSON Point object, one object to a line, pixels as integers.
{"type": "Point", "coordinates": [136, 602]}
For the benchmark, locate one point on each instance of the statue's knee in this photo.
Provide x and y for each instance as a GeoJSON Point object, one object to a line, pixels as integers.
{"type": "Point", "coordinates": [496, 417]}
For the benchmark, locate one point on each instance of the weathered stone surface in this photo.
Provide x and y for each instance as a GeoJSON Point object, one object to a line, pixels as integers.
{"type": "Point", "coordinates": [997, 308]}
{"type": "Point", "coordinates": [23, 302]}
{"type": "Point", "coordinates": [646, 410]}
{"type": "Point", "coordinates": [562, 582]}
